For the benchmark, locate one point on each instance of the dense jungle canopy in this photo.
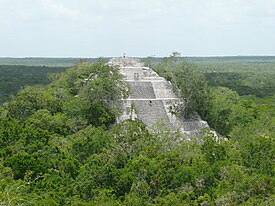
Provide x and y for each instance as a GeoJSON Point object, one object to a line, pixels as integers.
{"type": "Point", "coordinates": [59, 144]}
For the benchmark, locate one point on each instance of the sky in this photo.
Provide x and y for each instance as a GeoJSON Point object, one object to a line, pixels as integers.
{"type": "Point", "coordinates": [105, 28]}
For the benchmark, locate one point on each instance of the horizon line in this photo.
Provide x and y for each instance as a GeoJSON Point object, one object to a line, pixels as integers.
{"type": "Point", "coordinates": [152, 56]}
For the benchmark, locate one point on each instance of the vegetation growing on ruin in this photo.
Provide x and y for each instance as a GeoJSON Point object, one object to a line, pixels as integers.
{"type": "Point", "coordinates": [222, 107]}
{"type": "Point", "coordinates": [59, 146]}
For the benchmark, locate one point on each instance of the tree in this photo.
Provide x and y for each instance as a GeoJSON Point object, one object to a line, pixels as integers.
{"type": "Point", "coordinates": [96, 89]}
{"type": "Point", "coordinates": [222, 107]}
{"type": "Point", "coordinates": [188, 82]}
{"type": "Point", "coordinates": [192, 87]}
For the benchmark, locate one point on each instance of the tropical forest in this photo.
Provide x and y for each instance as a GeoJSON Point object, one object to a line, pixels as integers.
{"type": "Point", "coordinates": [60, 143]}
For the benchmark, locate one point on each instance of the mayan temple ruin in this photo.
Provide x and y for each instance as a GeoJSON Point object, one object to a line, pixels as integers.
{"type": "Point", "coordinates": [151, 97]}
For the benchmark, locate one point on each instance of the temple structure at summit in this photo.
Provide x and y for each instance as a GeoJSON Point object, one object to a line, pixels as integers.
{"type": "Point", "coordinates": [151, 97]}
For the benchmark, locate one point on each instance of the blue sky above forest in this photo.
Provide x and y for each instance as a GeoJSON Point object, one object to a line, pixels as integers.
{"type": "Point", "coordinates": [93, 28]}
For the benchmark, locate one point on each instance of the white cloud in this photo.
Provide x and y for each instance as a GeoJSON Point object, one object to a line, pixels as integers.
{"type": "Point", "coordinates": [159, 25]}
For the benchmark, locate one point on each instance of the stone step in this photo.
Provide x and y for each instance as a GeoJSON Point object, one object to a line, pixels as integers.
{"type": "Point", "coordinates": [163, 89]}
{"type": "Point", "coordinates": [141, 90]}
{"type": "Point", "coordinates": [150, 112]}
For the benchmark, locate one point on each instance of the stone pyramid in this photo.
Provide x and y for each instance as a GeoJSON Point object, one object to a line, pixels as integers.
{"type": "Point", "coordinates": [151, 97]}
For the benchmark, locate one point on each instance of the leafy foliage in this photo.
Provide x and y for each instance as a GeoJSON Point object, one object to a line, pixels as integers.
{"type": "Point", "coordinates": [189, 83]}
{"type": "Point", "coordinates": [14, 77]}
{"type": "Point", "coordinates": [59, 146]}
